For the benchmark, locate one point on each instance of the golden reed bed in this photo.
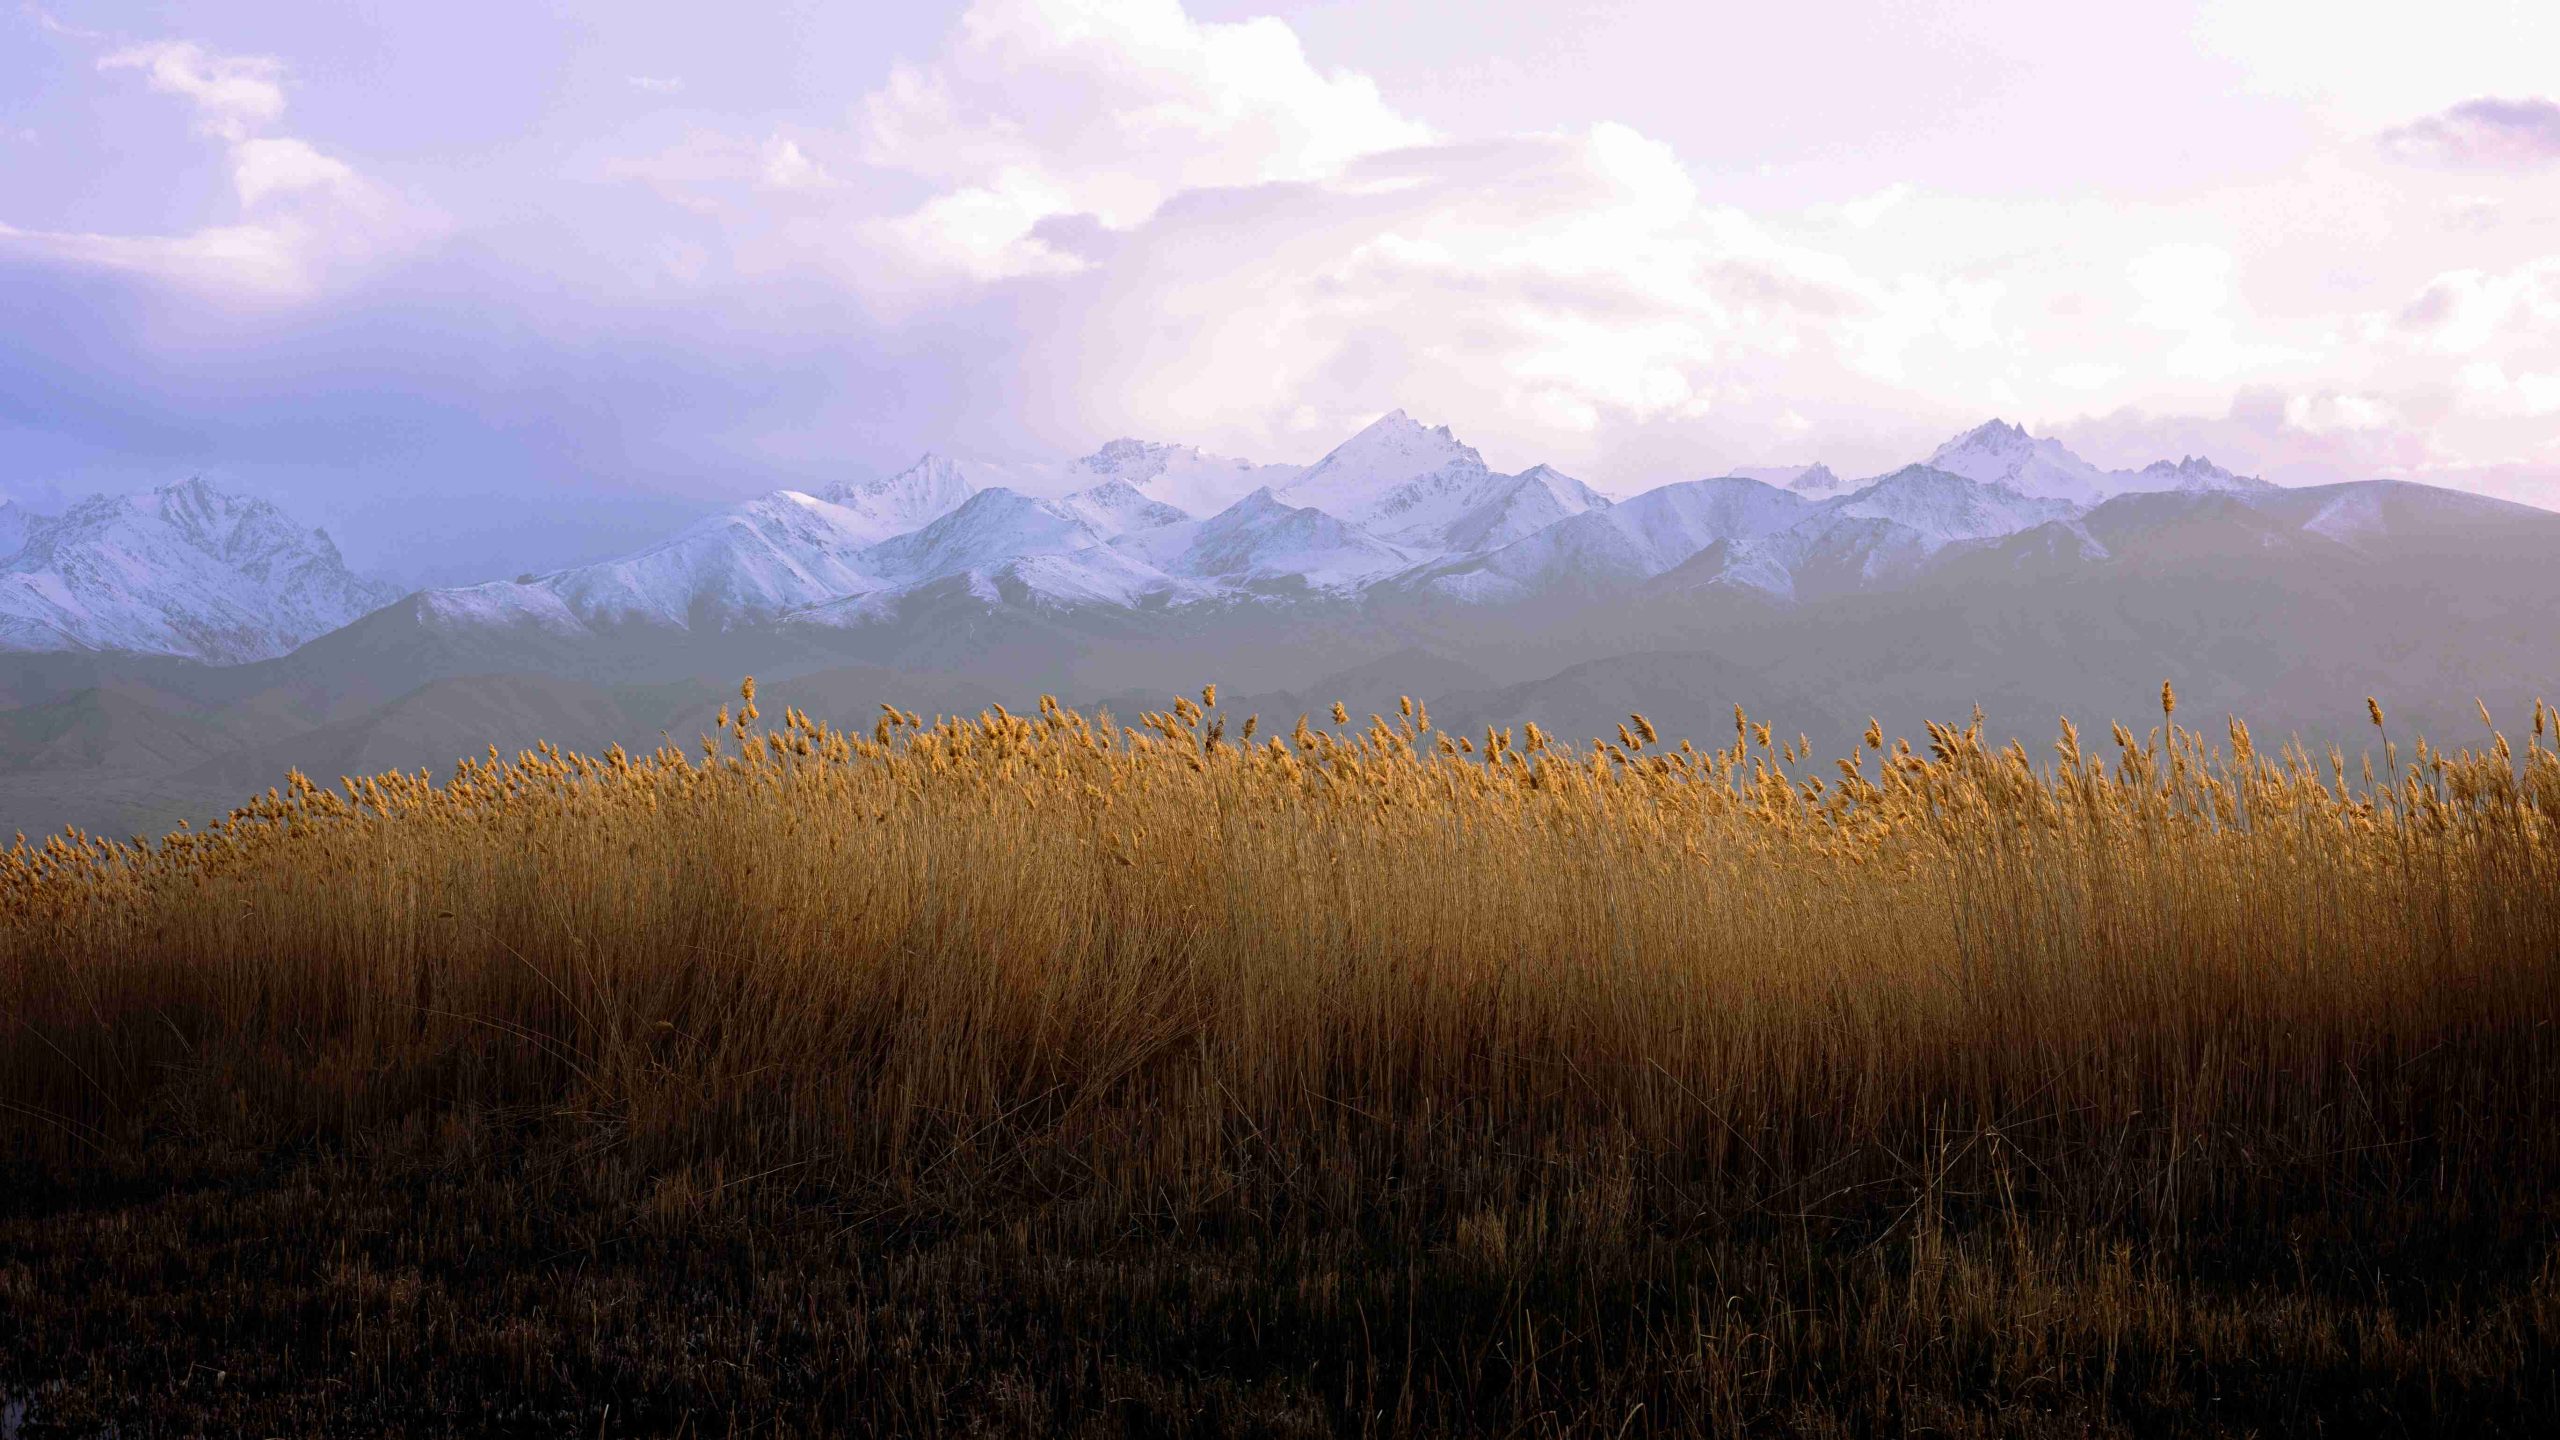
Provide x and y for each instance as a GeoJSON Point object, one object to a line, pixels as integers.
{"type": "Point", "coordinates": [1222, 1075]}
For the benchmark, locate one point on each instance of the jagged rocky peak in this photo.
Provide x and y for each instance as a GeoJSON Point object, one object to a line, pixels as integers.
{"type": "Point", "coordinates": [1367, 473]}
{"type": "Point", "coordinates": [2195, 472]}
{"type": "Point", "coordinates": [931, 474]}
{"type": "Point", "coordinates": [1993, 445]}
{"type": "Point", "coordinates": [1995, 431]}
{"type": "Point", "coordinates": [1396, 442]}
{"type": "Point", "coordinates": [1817, 480]}
{"type": "Point", "coordinates": [1998, 452]}
{"type": "Point", "coordinates": [184, 569]}
{"type": "Point", "coordinates": [1135, 461]}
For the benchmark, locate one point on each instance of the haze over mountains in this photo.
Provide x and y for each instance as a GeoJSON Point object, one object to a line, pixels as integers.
{"type": "Point", "coordinates": [173, 644]}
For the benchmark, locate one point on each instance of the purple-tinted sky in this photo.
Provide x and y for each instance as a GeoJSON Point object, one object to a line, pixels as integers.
{"type": "Point", "coordinates": [487, 286]}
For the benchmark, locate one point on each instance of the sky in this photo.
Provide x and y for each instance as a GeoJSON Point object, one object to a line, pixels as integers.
{"type": "Point", "coordinates": [491, 287]}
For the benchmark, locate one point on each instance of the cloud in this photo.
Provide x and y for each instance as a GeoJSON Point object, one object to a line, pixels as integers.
{"type": "Point", "coordinates": [263, 169]}
{"type": "Point", "coordinates": [233, 94]}
{"type": "Point", "coordinates": [1070, 219]}
{"type": "Point", "coordinates": [2464, 312]}
{"type": "Point", "coordinates": [2187, 290]}
{"type": "Point", "coordinates": [1865, 212]}
{"type": "Point", "coordinates": [1046, 108]}
{"type": "Point", "coordinates": [304, 215]}
{"type": "Point", "coordinates": [787, 167]}
{"type": "Point", "coordinates": [2489, 134]}
{"type": "Point", "coordinates": [1273, 229]}
{"type": "Point", "coordinates": [657, 84]}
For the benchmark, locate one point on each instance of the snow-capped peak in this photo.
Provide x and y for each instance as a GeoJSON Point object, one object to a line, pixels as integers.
{"type": "Point", "coordinates": [2193, 472]}
{"type": "Point", "coordinates": [1358, 475]}
{"type": "Point", "coordinates": [186, 569]}
{"type": "Point", "coordinates": [909, 500]}
{"type": "Point", "coordinates": [1116, 507]}
{"type": "Point", "coordinates": [1182, 476]}
{"type": "Point", "coordinates": [774, 552]}
{"type": "Point", "coordinates": [2000, 453]}
{"type": "Point", "coordinates": [993, 526]}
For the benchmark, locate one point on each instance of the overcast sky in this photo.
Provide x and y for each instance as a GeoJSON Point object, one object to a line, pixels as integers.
{"type": "Point", "coordinates": [488, 284]}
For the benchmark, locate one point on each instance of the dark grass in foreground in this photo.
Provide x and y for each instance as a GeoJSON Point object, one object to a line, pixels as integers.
{"type": "Point", "coordinates": [1023, 1077]}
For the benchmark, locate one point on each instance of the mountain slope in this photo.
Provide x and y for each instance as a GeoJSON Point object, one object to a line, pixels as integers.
{"type": "Point", "coordinates": [15, 521]}
{"type": "Point", "coordinates": [183, 570]}
{"type": "Point", "coordinates": [1179, 475]}
{"type": "Point", "coordinates": [909, 500]}
{"type": "Point", "coordinates": [1264, 544]}
{"type": "Point", "coordinates": [991, 527]}
{"type": "Point", "coordinates": [1116, 507]}
{"type": "Point", "coordinates": [1370, 470]}
{"type": "Point", "coordinates": [774, 553]}
{"type": "Point", "coordinates": [1942, 507]}
{"type": "Point", "coordinates": [1622, 544]}
{"type": "Point", "coordinates": [1460, 509]}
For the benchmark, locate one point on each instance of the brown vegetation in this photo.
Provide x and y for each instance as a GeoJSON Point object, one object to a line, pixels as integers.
{"type": "Point", "coordinates": [1028, 1075]}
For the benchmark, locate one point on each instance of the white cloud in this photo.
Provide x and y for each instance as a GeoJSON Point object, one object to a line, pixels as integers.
{"type": "Point", "coordinates": [657, 84]}
{"type": "Point", "coordinates": [1865, 212]}
{"type": "Point", "coordinates": [2488, 387]}
{"type": "Point", "coordinates": [233, 94]}
{"type": "Point", "coordinates": [787, 167]}
{"type": "Point", "coordinates": [2462, 312]}
{"type": "Point", "coordinates": [265, 168]}
{"type": "Point", "coordinates": [2186, 290]}
{"type": "Point", "coordinates": [1107, 107]}
{"type": "Point", "coordinates": [303, 215]}
{"type": "Point", "coordinates": [2328, 413]}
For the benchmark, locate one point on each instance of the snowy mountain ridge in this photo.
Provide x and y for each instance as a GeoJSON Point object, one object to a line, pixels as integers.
{"type": "Point", "coordinates": [1400, 508]}
{"type": "Point", "coordinates": [185, 570]}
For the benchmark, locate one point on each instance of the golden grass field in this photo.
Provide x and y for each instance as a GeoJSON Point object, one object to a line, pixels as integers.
{"type": "Point", "coordinates": [1027, 1074]}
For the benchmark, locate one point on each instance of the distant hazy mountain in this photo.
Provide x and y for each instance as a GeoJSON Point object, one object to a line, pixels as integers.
{"type": "Point", "coordinates": [1628, 542]}
{"type": "Point", "coordinates": [1815, 480]}
{"type": "Point", "coordinates": [1418, 487]}
{"type": "Point", "coordinates": [1116, 507]}
{"type": "Point", "coordinates": [182, 570]}
{"type": "Point", "coordinates": [1264, 544]}
{"type": "Point", "coordinates": [1178, 475]}
{"type": "Point", "coordinates": [15, 521]}
{"type": "Point", "coordinates": [1942, 507]}
{"type": "Point", "coordinates": [774, 553]}
{"type": "Point", "coordinates": [2191, 472]}
{"type": "Point", "coordinates": [1142, 544]}
{"type": "Point", "coordinates": [909, 500]}
{"type": "Point", "coordinates": [2004, 454]}
{"type": "Point", "coordinates": [1908, 598]}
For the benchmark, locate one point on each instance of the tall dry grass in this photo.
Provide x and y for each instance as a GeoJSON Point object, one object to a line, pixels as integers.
{"type": "Point", "coordinates": [1951, 1087]}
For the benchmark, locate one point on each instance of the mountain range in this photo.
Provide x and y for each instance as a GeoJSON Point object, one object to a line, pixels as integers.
{"type": "Point", "coordinates": [171, 644]}
{"type": "Point", "coordinates": [190, 571]}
